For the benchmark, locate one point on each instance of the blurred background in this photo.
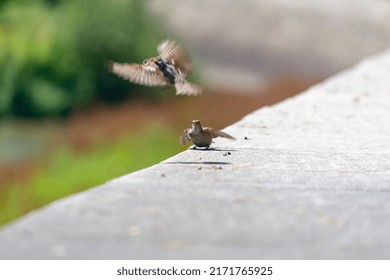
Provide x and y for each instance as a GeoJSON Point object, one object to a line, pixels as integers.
{"type": "Point", "coordinates": [66, 124]}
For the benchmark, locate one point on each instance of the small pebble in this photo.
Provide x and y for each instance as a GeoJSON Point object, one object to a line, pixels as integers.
{"type": "Point", "coordinates": [216, 167]}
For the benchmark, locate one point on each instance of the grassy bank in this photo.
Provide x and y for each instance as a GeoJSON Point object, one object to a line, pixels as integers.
{"type": "Point", "coordinates": [67, 172]}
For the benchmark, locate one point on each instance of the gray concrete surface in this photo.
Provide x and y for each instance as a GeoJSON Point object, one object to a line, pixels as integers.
{"type": "Point", "coordinates": [310, 181]}
{"type": "Point", "coordinates": [246, 43]}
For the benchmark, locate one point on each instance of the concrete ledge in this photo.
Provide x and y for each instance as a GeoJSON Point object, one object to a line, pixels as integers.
{"type": "Point", "coordinates": [312, 181]}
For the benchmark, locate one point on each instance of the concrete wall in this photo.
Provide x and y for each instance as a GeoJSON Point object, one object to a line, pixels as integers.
{"type": "Point", "coordinates": [308, 178]}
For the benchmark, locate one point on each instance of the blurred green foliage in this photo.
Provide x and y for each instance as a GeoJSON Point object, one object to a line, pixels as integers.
{"type": "Point", "coordinates": [53, 52]}
{"type": "Point", "coordinates": [68, 172]}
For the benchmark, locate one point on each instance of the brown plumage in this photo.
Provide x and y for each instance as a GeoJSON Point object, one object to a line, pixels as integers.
{"type": "Point", "coordinates": [201, 136]}
{"type": "Point", "coordinates": [171, 67]}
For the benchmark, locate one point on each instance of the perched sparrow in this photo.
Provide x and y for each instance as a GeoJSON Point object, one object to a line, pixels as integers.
{"type": "Point", "coordinates": [201, 136]}
{"type": "Point", "coordinates": [170, 68]}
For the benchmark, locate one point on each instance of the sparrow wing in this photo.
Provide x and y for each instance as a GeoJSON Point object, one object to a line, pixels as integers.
{"type": "Point", "coordinates": [184, 138]}
{"type": "Point", "coordinates": [176, 55]}
{"type": "Point", "coordinates": [218, 133]}
{"type": "Point", "coordinates": [186, 88]}
{"type": "Point", "coordinates": [139, 74]}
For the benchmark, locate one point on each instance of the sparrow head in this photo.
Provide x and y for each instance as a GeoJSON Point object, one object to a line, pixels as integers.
{"type": "Point", "coordinates": [196, 126]}
{"type": "Point", "coordinates": [158, 62]}
{"type": "Point", "coordinates": [163, 64]}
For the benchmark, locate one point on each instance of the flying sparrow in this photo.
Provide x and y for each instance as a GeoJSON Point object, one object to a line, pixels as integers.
{"type": "Point", "coordinates": [201, 136]}
{"type": "Point", "coordinates": [171, 67]}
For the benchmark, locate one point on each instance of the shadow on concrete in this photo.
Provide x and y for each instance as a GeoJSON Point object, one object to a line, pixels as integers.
{"type": "Point", "coordinates": [198, 162]}
{"type": "Point", "coordinates": [210, 149]}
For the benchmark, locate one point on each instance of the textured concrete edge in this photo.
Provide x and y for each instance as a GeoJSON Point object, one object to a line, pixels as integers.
{"type": "Point", "coordinates": [103, 222]}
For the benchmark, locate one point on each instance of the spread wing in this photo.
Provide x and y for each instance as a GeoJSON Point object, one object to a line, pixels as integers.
{"type": "Point", "coordinates": [218, 133]}
{"type": "Point", "coordinates": [138, 73]}
{"type": "Point", "coordinates": [175, 54]}
{"type": "Point", "coordinates": [184, 138]}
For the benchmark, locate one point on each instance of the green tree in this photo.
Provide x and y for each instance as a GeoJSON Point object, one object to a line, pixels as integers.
{"type": "Point", "coordinates": [53, 52]}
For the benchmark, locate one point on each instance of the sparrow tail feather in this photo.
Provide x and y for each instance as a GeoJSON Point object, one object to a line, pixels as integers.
{"type": "Point", "coordinates": [187, 88]}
